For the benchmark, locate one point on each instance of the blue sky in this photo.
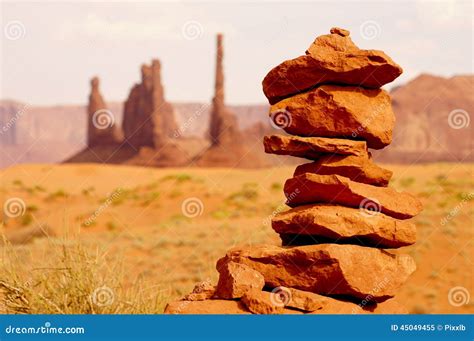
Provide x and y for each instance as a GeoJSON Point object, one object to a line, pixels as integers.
{"type": "Point", "coordinates": [50, 50]}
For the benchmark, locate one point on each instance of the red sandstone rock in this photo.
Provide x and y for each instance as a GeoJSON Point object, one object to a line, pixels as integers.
{"type": "Point", "coordinates": [360, 169]}
{"type": "Point", "coordinates": [236, 279]}
{"type": "Point", "coordinates": [315, 224]}
{"type": "Point", "coordinates": [261, 302]}
{"type": "Point", "coordinates": [340, 111]}
{"type": "Point", "coordinates": [317, 304]}
{"type": "Point", "coordinates": [331, 58]}
{"type": "Point", "coordinates": [202, 291]}
{"type": "Point", "coordinates": [223, 307]}
{"type": "Point", "coordinates": [329, 269]}
{"type": "Point", "coordinates": [312, 147]}
{"type": "Point", "coordinates": [148, 119]}
{"type": "Point", "coordinates": [301, 300]}
{"type": "Point", "coordinates": [334, 306]}
{"type": "Point", "coordinates": [101, 128]}
{"type": "Point", "coordinates": [335, 189]}
{"type": "Point", "coordinates": [223, 125]}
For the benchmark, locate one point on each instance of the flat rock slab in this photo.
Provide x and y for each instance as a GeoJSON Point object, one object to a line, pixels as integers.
{"type": "Point", "coordinates": [390, 306]}
{"type": "Point", "coordinates": [312, 147]}
{"type": "Point", "coordinates": [340, 111]}
{"type": "Point", "coordinates": [236, 279]}
{"type": "Point", "coordinates": [332, 306]}
{"type": "Point", "coordinates": [324, 223]}
{"type": "Point", "coordinates": [335, 189]}
{"type": "Point", "coordinates": [360, 169]}
{"type": "Point", "coordinates": [334, 59]}
{"type": "Point", "coordinates": [263, 302]}
{"type": "Point", "coordinates": [221, 307]}
{"type": "Point", "coordinates": [362, 273]}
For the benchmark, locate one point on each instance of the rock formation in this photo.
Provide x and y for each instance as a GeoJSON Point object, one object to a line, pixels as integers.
{"type": "Point", "coordinates": [343, 213]}
{"type": "Point", "coordinates": [148, 119]}
{"type": "Point", "coordinates": [228, 148]}
{"type": "Point", "coordinates": [148, 126]}
{"type": "Point", "coordinates": [101, 128]}
{"type": "Point", "coordinates": [223, 126]}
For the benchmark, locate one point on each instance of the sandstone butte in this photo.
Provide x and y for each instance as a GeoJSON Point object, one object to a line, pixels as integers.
{"type": "Point", "coordinates": [312, 147]}
{"type": "Point", "coordinates": [340, 111]}
{"type": "Point", "coordinates": [335, 189]}
{"type": "Point", "coordinates": [101, 129]}
{"type": "Point", "coordinates": [338, 224]}
{"type": "Point", "coordinates": [148, 119]}
{"type": "Point", "coordinates": [360, 169]}
{"type": "Point", "coordinates": [331, 58]}
{"type": "Point", "coordinates": [327, 269]}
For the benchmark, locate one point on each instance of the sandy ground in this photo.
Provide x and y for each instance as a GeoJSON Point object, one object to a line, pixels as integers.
{"type": "Point", "coordinates": [171, 225]}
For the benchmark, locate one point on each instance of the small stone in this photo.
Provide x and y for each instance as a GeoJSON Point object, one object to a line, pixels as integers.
{"type": "Point", "coordinates": [202, 291]}
{"type": "Point", "coordinates": [236, 279]}
{"type": "Point", "coordinates": [342, 32]}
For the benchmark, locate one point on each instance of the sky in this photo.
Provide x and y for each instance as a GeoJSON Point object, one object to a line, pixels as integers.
{"type": "Point", "coordinates": [50, 50]}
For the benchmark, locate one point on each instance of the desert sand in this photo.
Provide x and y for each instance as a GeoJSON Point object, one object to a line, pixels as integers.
{"type": "Point", "coordinates": [168, 227]}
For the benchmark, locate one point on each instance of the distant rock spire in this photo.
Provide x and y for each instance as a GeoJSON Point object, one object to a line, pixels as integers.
{"type": "Point", "coordinates": [223, 125]}
{"type": "Point", "coordinates": [101, 121]}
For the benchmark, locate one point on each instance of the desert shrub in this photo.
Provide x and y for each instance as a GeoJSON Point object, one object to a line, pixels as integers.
{"type": "Point", "coordinates": [57, 195]}
{"type": "Point", "coordinates": [407, 182]}
{"type": "Point", "coordinates": [73, 280]}
{"type": "Point", "coordinates": [276, 186]}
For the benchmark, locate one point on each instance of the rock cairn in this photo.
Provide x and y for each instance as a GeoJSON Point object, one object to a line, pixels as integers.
{"type": "Point", "coordinates": [101, 128]}
{"type": "Point", "coordinates": [343, 215]}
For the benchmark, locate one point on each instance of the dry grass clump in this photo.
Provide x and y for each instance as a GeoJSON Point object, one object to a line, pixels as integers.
{"type": "Point", "coordinates": [71, 280]}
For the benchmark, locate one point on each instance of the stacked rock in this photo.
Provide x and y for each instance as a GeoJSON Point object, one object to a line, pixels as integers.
{"type": "Point", "coordinates": [343, 216]}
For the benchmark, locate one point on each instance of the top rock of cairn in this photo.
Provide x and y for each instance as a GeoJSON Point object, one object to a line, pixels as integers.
{"type": "Point", "coordinates": [333, 59]}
